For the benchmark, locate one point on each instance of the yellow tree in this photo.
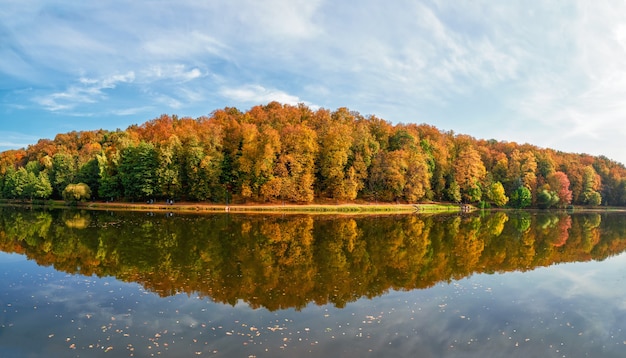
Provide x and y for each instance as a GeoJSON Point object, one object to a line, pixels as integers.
{"type": "Point", "coordinates": [334, 137]}
{"type": "Point", "coordinates": [294, 173]}
{"type": "Point", "coordinates": [469, 171]}
{"type": "Point", "coordinates": [259, 150]}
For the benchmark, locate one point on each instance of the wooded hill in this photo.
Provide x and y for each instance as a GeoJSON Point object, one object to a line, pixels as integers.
{"type": "Point", "coordinates": [285, 153]}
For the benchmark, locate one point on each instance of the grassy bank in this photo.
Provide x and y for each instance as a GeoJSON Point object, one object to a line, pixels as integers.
{"type": "Point", "coordinates": [358, 208]}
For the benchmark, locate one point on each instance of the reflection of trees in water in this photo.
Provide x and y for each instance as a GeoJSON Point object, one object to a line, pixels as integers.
{"type": "Point", "coordinates": [280, 262]}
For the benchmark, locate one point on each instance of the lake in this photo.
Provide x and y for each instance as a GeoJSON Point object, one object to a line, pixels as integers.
{"type": "Point", "coordinates": [141, 284]}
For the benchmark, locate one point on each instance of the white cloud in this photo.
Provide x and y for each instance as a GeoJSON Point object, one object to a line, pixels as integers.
{"type": "Point", "coordinates": [87, 90]}
{"type": "Point", "coordinates": [258, 94]}
{"type": "Point", "coordinates": [176, 72]}
{"type": "Point", "coordinates": [180, 45]}
{"type": "Point", "coordinates": [576, 96]}
{"type": "Point", "coordinates": [130, 111]}
{"type": "Point", "coordinates": [12, 140]}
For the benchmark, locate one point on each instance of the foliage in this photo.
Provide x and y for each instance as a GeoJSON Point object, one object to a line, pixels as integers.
{"type": "Point", "coordinates": [497, 194]}
{"type": "Point", "coordinates": [24, 184]}
{"type": "Point", "coordinates": [560, 184]}
{"type": "Point", "coordinates": [547, 199]}
{"type": "Point", "coordinates": [137, 171]}
{"type": "Point", "coordinates": [290, 153]}
{"type": "Point", "coordinates": [76, 192]}
{"type": "Point", "coordinates": [521, 197]}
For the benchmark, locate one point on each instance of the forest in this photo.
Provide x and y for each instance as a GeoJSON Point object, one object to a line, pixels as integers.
{"type": "Point", "coordinates": [278, 153]}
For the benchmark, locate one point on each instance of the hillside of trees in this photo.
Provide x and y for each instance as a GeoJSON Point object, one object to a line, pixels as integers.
{"type": "Point", "coordinates": [284, 153]}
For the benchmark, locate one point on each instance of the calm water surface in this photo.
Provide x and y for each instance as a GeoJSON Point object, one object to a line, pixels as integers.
{"type": "Point", "coordinates": [90, 284]}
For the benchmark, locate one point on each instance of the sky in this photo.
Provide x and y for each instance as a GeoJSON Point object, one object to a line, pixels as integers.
{"type": "Point", "coordinates": [548, 73]}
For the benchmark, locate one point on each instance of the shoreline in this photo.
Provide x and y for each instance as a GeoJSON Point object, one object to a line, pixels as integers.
{"type": "Point", "coordinates": [358, 208]}
{"type": "Point", "coordinates": [316, 208]}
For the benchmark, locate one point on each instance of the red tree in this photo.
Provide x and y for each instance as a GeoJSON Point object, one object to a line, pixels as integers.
{"type": "Point", "coordinates": [559, 182]}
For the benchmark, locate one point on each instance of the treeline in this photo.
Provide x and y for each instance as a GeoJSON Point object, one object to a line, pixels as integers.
{"type": "Point", "coordinates": [278, 153]}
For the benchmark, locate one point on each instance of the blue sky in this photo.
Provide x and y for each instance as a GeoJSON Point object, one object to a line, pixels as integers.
{"type": "Point", "coordinates": [549, 73]}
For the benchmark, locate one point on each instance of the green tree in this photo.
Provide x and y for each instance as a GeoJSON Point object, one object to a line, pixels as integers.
{"type": "Point", "coordinates": [547, 199]}
{"type": "Point", "coordinates": [17, 184]}
{"type": "Point", "coordinates": [76, 192]}
{"type": "Point", "coordinates": [169, 172]}
{"type": "Point", "coordinates": [453, 192]}
{"type": "Point", "coordinates": [42, 189]}
{"type": "Point", "coordinates": [521, 197]}
{"type": "Point", "coordinates": [109, 186]}
{"type": "Point", "coordinates": [63, 172]}
{"type": "Point", "coordinates": [137, 171]}
{"type": "Point", "coordinates": [89, 174]}
{"type": "Point", "coordinates": [204, 170]}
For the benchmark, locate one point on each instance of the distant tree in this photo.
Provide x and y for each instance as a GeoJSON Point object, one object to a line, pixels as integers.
{"type": "Point", "coordinates": [76, 192]}
{"type": "Point", "coordinates": [283, 152]}
{"type": "Point", "coordinates": [547, 199]}
{"type": "Point", "coordinates": [204, 169]}
{"type": "Point", "coordinates": [89, 173]}
{"type": "Point", "coordinates": [109, 185]}
{"type": "Point", "coordinates": [137, 171]}
{"type": "Point", "coordinates": [170, 170]}
{"type": "Point", "coordinates": [559, 183]}
{"type": "Point", "coordinates": [521, 197]}
{"type": "Point", "coordinates": [453, 192]}
{"type": "Point", "coordinates": [469, 171]}
{"type": "Point", "coordinates": [334, 151]}
{"type": "Point", "coordinates": [63, 171]}
{"type": "Point", "coordinates": [17, 185]}
{"type": "Point", "coordinates": [388, 178]}
{"type": "Point", "coordinates": [42, 189]}
{"type": "Point", "coordinates": [591, 185]}
{"type": "Point", "coordinates": [497, 194]}
{"type": "Point", "coordinates": [294, 173]}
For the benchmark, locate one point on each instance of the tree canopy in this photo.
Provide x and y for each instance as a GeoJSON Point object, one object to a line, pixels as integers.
{"type": "Point", "coordinates": [276, 152]}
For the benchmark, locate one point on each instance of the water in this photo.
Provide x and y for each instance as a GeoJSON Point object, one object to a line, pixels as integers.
{"type": "Point", "coordinates": [90, 284]}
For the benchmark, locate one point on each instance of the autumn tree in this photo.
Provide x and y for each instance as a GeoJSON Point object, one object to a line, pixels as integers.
{"type": "Point", "coordinates": [469, 172]}
{"type": "Point", "coordinates": [42, 189]}
{"type": "Point", "coordinates": [257, 155]}
{"type": "Point", "coordinates": [294, 173]}
{"type": "Point", "coordinates": [259, 151]}
{"type": "Point", "coordinates": [559, 183]}
{"type": "Point", "coordinates": [387, 177]}
{"type": "Point", "coordinates": [364, 148]}
{"type": "Point", "coordinates": [591, 185]}
{"type": "Point", "coordinates": [334, 136]}
{"type": "Point", "coordinates": [497, 195]}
